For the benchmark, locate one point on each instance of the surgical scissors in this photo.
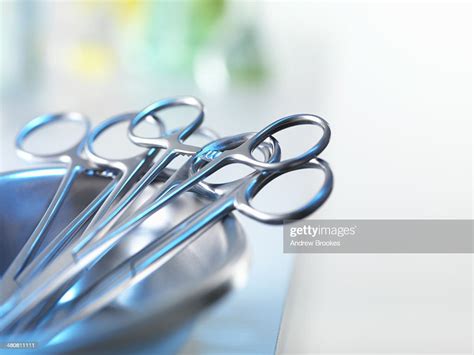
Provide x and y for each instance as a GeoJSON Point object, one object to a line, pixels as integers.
{"type": "Point", "coordinates": [235, 150]}
{"type": "Point", "coordinates": [172, 144]}
{"type": "Point", "coordinates": [135, 175]}
{"type": "Point", "coordinates": [75, 165]}
{"type": "Point", "coordinates": [137, 267]}
{"type": "Point", "coordinates": [270, 151]}
{"type": "Point", "coordinates": [127, 172]}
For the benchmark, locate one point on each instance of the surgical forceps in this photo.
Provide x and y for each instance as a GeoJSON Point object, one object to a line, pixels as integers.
{"type": "Point", "coordinates": [75, 164]}
{"type": "Point", "coordinates": [127, 172]}
{"type": "Point", "coordinates": [134, 269]}
{"type": "Point", "coordinates": [271, 152]}
{"type": "Point", "coordinates": [131, 181]}
{"type": "Point", "coordinates": [238, 196]}
{"type": "Point", "coordinates": [237, 150]}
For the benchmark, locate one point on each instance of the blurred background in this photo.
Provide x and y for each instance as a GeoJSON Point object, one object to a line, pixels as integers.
{"type": "Point", "coordinates": [394, 80]}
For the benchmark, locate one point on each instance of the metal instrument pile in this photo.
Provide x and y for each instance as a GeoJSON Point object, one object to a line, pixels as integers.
{"type": "Point", "coordinates": [40, 275]}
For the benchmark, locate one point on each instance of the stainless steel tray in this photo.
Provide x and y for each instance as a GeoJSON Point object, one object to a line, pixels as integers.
{"type": "Point", "coordinates": [155, 314]}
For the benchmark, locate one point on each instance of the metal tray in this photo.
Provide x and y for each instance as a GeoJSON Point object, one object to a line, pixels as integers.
{"type": "Point", "coordinates": [156, 313]}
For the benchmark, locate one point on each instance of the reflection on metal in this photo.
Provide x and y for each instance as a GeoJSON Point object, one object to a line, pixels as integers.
{"type": "Point", "coordinates": [32, 286]}
{"type": "Point", "coordinates": [207, 269]}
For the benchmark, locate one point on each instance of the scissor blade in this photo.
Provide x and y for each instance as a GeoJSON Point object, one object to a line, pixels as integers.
{"type": "Point", "coordinates": [125, 185]}
{"type": "Point", "coordinates": [33, 242]}
{"type": "Point", "coordinates": [86, 304]}
{"type": "Point", "coordinates": [133, 187]}
{"type": "Point", "coordinates": [64, 238]}
{"type": "Point", "coordinates": [137, 267]}
{"type": "Point", "coordinates": [51, 279]}
{"type": "Point", "coordinates": [178, 183]}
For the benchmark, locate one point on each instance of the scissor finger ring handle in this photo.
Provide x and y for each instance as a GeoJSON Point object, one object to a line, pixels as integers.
{"type": "Point", "coordinates": [98, 131]}
{"type": "Point", "coordinates": [42, 121]}
{"type": "Point", "coordinates": [152, 111]}
{"type": "Point", "coordinates": [270, 150]}
{"type": "Point", "coordinates": [280, 125]}
{"type": "Point", "coordinates": [245, 195]}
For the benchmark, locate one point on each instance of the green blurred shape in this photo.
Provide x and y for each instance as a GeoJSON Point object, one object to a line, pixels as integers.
{"type": "Point", "coordinates": [244, 59]}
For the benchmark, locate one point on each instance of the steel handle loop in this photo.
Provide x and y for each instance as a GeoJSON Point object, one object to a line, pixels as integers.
{"type": "Point", "coordinates": [98, 131]}
{"type": "Point", "coordinates": [41, 122]}
{"type": "Point", "coordinates": [154, 109]}
{"type": "Point", "coordinates": [278, 126]}
{"type": "Point", "coordinates": [244, 196]}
